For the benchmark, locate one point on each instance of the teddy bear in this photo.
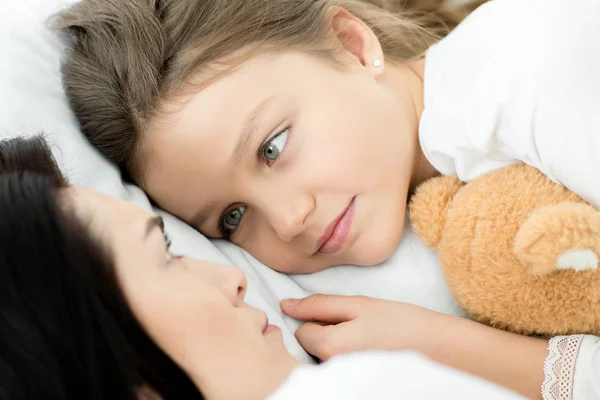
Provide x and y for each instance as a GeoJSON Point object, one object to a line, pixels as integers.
{"type": "Point", "coordinates": [518, 251]}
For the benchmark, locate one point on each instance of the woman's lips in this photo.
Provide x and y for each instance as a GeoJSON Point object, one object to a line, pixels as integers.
{"type": "Point", "coordinates": [270, 328]}
{"type": "Point", "coordinates": [337, 232]}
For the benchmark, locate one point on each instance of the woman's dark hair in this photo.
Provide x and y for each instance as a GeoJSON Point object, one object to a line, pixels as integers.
{"type": "Point", "coordinates": [66, 331]}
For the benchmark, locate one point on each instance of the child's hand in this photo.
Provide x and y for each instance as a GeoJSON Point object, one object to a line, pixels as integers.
{"type": "Point", "coordinates": [340, 324]}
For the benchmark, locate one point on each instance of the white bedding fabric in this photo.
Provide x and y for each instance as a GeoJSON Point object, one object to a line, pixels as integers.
{"type": "Point", "coordinates": [32, 101]}
{"type": "Point", "coordinates": [385, 376]}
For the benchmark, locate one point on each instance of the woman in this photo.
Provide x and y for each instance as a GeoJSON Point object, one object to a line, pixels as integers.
{"type": "Point", "coordinates": [312, 121]}
{"type": "Point", "coordinates": [94, 306]}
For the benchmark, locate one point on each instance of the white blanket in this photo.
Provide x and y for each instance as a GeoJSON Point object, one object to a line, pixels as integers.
{"type": "Point", "coordinates": [385, 376]}
{"type": "Point", "coordinates": [32, 101]}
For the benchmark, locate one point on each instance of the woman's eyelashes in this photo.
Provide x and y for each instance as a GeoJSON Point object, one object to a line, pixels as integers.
{"type": "Point", "coordinates": [271, 150]}
{"type": "Point", "coordinates": [168, 241]}
{"type": "Point", "coordinates": [169, 256]}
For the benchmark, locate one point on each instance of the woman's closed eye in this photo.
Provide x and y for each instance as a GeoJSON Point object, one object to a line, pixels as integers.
{"type": "Point", "coordinates": [169, 256]}
{"type": "Point", "coordinates": [168, 241]}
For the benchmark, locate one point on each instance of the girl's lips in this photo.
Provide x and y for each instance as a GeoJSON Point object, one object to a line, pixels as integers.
{"type": "Point", "coordinates": [337, 232]}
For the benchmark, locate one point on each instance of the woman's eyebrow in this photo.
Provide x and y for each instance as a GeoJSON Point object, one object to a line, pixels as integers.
{"type": "Point", "coordinates": [248, 131]}
{"type": "Point", "coordinates": [153, 223]}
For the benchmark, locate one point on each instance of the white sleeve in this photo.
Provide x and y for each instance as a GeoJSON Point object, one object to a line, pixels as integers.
{"type": "Point", "coordinates": [385, 376]}
{"type": "Point", "coordinates": [520, 81]}
{"type": "Point", "coordinates": [572, 368]}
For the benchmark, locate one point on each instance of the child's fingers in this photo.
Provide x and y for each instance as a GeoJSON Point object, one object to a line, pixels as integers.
{"type": "Point", "coordinates": [317, 339]}
{"type": "Point", "coordinates": [324, 308]}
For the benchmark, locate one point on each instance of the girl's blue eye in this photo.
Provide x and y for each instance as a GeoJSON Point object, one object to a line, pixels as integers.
{"type": "Point", "coordinates": [271, 150]}
{"type": "Point", "coordinates": [231, 220]}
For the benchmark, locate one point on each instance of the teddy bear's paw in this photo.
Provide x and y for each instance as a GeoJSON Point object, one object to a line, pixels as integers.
{"type": "Point", "coordinates": [429, 206]}
{"type": "Point", "coordinates": [578, 260]}
{"type": "Point", "coordinates": [559, 236]}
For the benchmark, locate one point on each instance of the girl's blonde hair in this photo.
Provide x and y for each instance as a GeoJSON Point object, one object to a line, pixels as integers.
{"type": "Point", "coordinates": [129, 56]}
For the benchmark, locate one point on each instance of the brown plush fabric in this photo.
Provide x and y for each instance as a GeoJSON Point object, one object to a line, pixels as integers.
{"type": "Point", "coordinates": [500, 240]}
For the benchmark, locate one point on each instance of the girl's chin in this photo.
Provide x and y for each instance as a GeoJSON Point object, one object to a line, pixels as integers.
{"type": "Point", "coordinates": [377, 251]}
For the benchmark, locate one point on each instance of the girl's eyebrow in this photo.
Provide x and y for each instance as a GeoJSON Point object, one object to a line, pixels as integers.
{"type": "Point", "coordinates": [249, 130]}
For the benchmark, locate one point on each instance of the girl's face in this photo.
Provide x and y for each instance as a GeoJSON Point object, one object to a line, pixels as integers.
{"type": "Point", "coordinates": [304, 165]}
{"type": "Point", "coordinates": [193, 310]}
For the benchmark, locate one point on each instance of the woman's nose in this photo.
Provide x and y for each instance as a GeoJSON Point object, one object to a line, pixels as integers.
{"type": "Point", "coordinates": [228, 279]}
{"type": "Point", "coordinates": [235, 284]}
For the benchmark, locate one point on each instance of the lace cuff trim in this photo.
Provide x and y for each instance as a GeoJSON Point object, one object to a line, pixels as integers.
{"type": "Point", "coordinates": [559, 367]}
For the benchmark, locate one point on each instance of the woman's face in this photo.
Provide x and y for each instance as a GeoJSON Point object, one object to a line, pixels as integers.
{"type": "Point", "coordinates": [304, 165]}
{"type": "Point", "coordinates": [193, 310]}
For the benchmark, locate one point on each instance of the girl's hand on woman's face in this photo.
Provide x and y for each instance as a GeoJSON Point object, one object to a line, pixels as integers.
{"type": "Point", "coordinates": [344, 324]}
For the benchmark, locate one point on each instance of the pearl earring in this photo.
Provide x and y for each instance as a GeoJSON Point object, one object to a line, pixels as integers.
{"type": "Point", "coordinates": [377, 62]}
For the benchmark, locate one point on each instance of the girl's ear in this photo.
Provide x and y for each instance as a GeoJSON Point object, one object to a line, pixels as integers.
{"type": "Point", "coordinates": [356, 40]}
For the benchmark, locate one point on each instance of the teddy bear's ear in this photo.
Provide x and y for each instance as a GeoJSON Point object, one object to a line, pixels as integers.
{"type": "Point", "coordinates": [428, 208]}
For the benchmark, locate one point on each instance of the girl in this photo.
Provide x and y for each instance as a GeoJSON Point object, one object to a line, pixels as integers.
{"type": "Point", "coordinates": [313, 120]}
